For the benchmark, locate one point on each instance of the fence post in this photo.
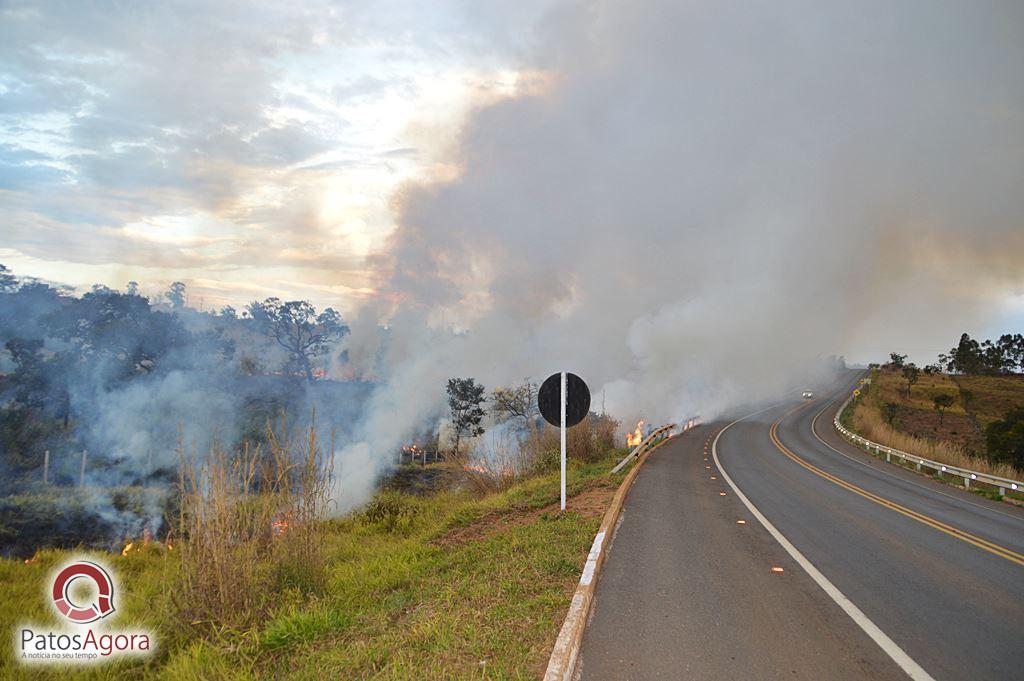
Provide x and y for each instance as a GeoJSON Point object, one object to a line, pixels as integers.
{"type": "Point", "coordinates": [46, 467]}
{"type": "Point", "coordinates": [1002, 491]}
{"type": "Point", "coordinates": [81, 473]}
{"type": "Point", "coordinates": [967, 482]}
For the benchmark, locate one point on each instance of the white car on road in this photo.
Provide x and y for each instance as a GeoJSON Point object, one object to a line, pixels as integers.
{"type": "Point", "coordinates": [808, 394]}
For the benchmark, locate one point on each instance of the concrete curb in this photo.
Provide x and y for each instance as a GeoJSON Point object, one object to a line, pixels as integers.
{"type": "Point", "coordinates": [562, 663]}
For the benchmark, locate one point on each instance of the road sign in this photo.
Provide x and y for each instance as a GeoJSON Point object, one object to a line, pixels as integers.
{"type": "Point", "coordinates": [856, 393]}
{"type": "Point", "coordinates": [563, 400]}
{"type": "Point", "coordinates": [577, 404]}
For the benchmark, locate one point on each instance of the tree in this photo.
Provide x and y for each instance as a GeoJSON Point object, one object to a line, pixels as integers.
{"type": "Point", "coordinates": [911, 374]}
{"type": "Point", "coordinates": [966, 399]}
{"type": "Point", "coordinates": [297, 328]}
{"type": "Point", "coordinates": [966, 357]}
{"type": "Point", "coordinates": [176, 295]}
{"type": "Point", "coordinates": [1010, 351]}
{"type": "Point", "coordinates": [896, 360]}
{"type": "Point", "coordinates": [115, 333]}
{"type": "Point", "coordinates": [465, 399]}
{"type": "Point", "coordinates": [516, 402]}
{"type": "Point", "coordinates": [133, 288]}
{"type": "Point", "coordinates": [942, 402]}
{"type": "Point", "coordinates": [890, 410]}
{"type": "Point", "coordinates": [1004, 439]}
{"type": "Point", "coordinates": [8, 282]}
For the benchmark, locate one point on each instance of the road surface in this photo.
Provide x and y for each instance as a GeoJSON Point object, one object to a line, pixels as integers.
{"type": "Point", "coordinates": [934, 575]}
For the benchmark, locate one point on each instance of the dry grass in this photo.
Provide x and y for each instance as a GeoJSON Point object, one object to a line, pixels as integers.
{"type": "Point", "coordinates": [589, 440]}
{"type": "Point", "coordinates": [249, 519]}
{"type": "Point", "coordinates": [869, 422]}
{"type": "Point", "coordinates": [495, 463]}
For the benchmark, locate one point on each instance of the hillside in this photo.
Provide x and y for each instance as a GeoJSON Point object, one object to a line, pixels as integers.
{"type": "Point", "coordinates": [908, 419]}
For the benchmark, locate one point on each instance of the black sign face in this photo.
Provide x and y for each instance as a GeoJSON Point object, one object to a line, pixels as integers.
{"type": "Point", "coordinates": [577, 399]}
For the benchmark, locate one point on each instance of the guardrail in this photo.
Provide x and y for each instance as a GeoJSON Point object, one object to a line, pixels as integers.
{"type": "Point", "coordinates": [968, 475]}
{"type": "Point", "coordinates": [642, 447]}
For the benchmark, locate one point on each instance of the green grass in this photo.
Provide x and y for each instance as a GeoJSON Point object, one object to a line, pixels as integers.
{"type": "Point", "coordinates": [403, 601]}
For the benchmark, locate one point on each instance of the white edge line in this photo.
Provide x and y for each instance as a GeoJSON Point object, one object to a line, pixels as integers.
{"type": "Point", "coordinates": [883, 471]}
{"type": "Point", "coordinates": [904, 661]}
{"type": "Point", "coordinates": [591, 565]}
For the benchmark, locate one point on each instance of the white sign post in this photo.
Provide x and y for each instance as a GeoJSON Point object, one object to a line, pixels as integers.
{"type": "Point", "coordinates": [563, 439]}
{"type": "Point", "coordinates": [563, 400]}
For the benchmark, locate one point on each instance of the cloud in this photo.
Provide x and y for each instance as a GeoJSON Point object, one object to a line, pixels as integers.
{"type": "Point", "coordinates": [211, 111]}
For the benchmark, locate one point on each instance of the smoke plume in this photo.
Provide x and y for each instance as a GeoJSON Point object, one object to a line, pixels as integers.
{"type": "Point", "coordinates": [695, 202]}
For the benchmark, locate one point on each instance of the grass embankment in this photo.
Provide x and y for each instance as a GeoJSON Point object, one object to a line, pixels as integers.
{"type": "Point", "coordinates": [450, 585]}
{"type": "Point", "coordinates": [955, 437]}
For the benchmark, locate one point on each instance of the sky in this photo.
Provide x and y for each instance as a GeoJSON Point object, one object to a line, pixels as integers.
{"type": "Point", "coordinates": [248, 149]}
{"type": "Point", "coordinates": [796, 158]}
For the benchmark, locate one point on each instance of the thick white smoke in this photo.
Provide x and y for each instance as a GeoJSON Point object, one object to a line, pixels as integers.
{"type": "Point", "coordinates": [704, 199]}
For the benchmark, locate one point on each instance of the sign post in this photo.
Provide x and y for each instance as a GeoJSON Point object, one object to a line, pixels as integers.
{"type": "Point", "coordinates": [564, 401]}
{"type": "Point", "coordinates": [562, 437]}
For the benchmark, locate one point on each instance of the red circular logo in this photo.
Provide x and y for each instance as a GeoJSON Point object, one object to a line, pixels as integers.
{"type": "Point", "coordinates": [104, 604]}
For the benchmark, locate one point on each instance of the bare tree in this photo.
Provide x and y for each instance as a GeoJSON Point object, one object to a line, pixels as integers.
{"type": "Point", "coordinates": [518, 401]}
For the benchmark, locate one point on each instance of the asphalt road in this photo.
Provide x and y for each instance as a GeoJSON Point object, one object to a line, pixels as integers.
{"type": "Point", "coordinates": [686, 592]}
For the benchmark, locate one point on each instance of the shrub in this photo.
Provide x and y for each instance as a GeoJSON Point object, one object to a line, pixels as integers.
{"type": "Point", "coordinates": [1004, 439]}
{"type": "Point", "coordinates": [589, 440]}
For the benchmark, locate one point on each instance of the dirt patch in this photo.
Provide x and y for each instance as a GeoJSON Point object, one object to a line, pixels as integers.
{"type": "Point", "coordinates": [952, 428]}
{"type": "Point", "coordinates": [590, 503]}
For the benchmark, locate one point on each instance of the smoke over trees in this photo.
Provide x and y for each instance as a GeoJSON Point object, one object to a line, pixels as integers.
{"type": "Point", "coordinates": [122, 378]}
{"type": "Point", "coordinates": [296, 327]}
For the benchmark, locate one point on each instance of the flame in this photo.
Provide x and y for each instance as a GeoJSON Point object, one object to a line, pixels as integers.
{"type": "Point", "coordinates": [147, 539]}
{"type": "Point", "coordinates": [279, 527]}
{"type": "Point", "coordinates": [637, 436]}
{"type": "Point", "coordinates": [494, 471]}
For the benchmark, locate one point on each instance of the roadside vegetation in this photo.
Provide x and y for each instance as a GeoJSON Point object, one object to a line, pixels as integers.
{"type": "Point", "coordinates": [966, 410]}
{"type": "Point", "coordinates": [461, 567]}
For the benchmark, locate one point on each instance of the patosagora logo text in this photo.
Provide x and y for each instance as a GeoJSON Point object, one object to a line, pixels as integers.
{"type": "Point", "coordinates": [82, 594]}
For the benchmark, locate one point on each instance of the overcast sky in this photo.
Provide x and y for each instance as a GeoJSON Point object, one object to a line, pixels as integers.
{"type": "Point", "coordinates": [256, 149]}
{"type": "Point", "coordinates": [248, 149]}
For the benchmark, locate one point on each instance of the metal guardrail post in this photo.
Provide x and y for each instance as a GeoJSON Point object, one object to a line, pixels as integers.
{"type": "Point", "coordinates": [642, 447]}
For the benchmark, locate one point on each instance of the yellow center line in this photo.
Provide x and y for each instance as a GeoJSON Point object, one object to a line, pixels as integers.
{"type": "Point", "coordinates": [996, 549]}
